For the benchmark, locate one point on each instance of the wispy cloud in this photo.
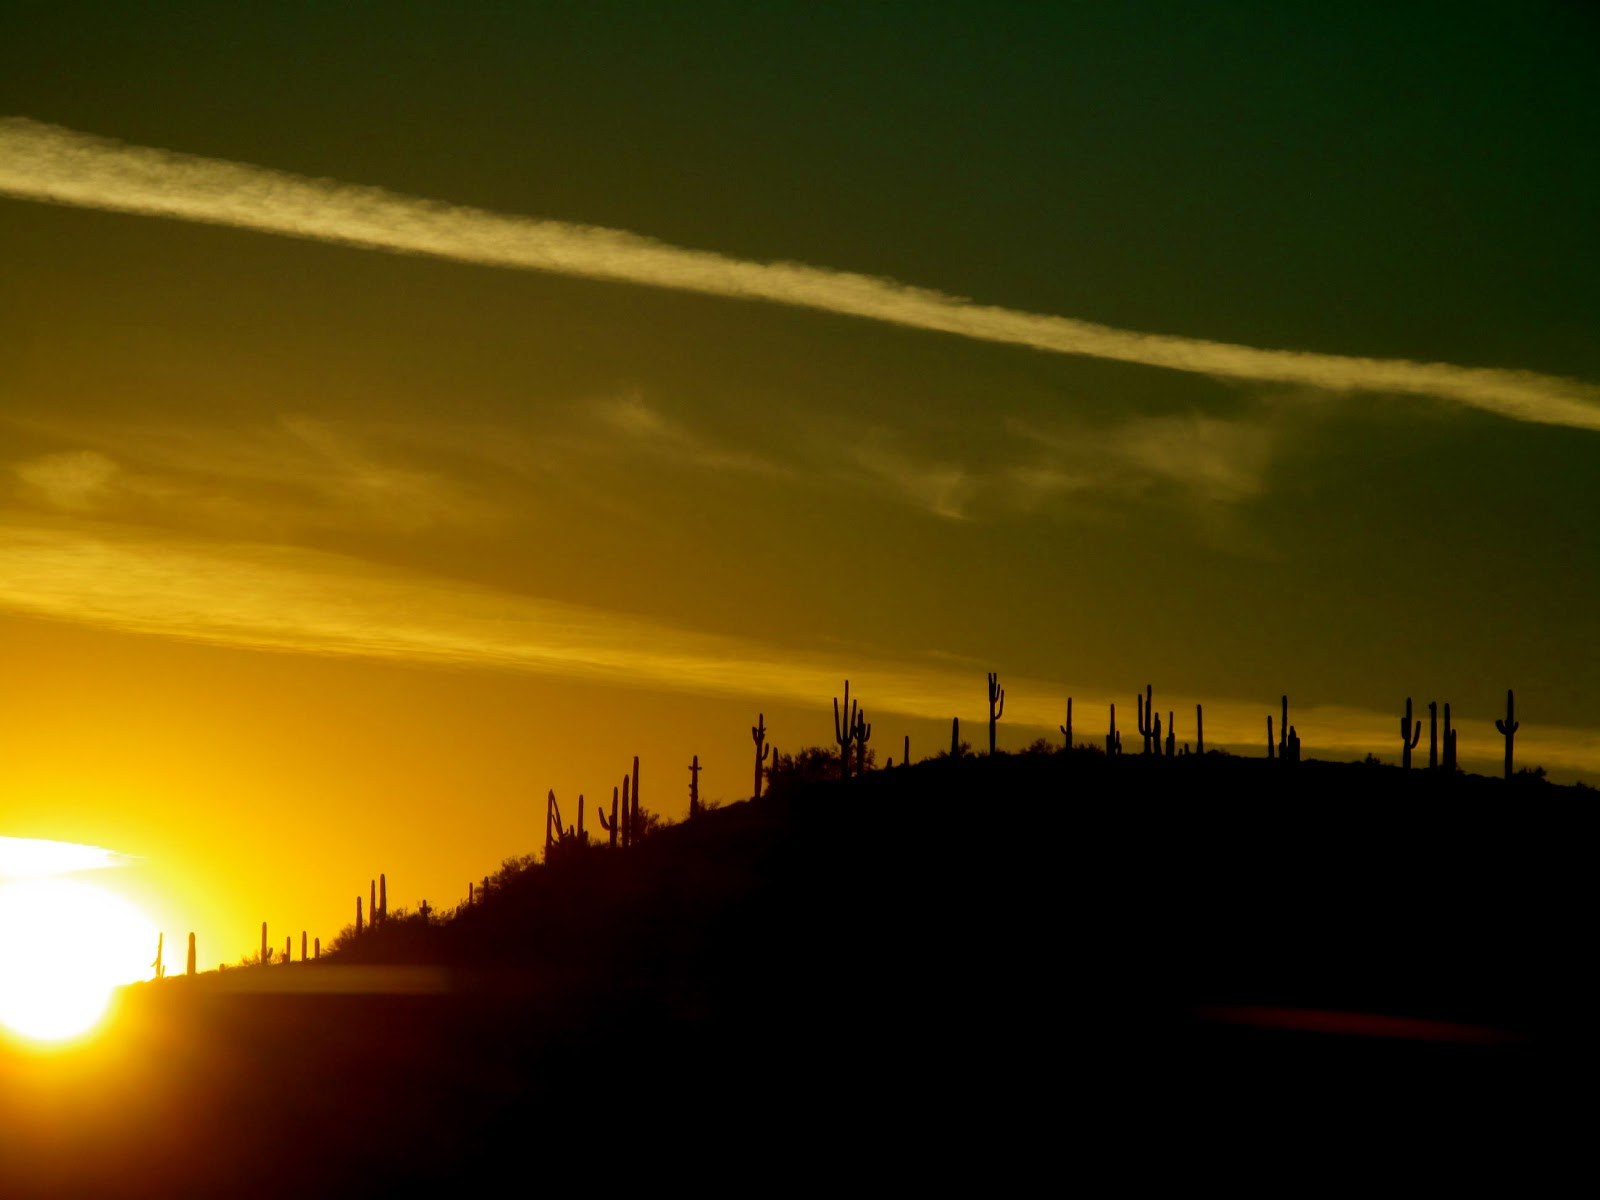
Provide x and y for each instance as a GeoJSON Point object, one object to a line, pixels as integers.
{"type": "Point", "coordinates": [644, 425]}
{"type": "Point", "coordinates": [47, 163]}
{"type": "Point", "coordinates": [30, 858]}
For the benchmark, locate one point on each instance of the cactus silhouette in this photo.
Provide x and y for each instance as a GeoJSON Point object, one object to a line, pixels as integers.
{"type": "Point", "coordinates": [316, 948]}
{"type": "Point", "coordinates": [302, 945]}
{"type": "Point", "coordinates": [1172, 736]}
{"type": "Point", "coordinates": [955, 736]}
{"type": "Point", "coordinates": [1113, 741]}
{"type": "Point", "coordinates": [997, 705]}
{"type": "Point", "coordinates": [158, 966]}
{"type": "Point", "coordinates": [861, 733]}
{"type": "Point", "coordinates": [758, 734]}
{"type": "Point", "coordinates": [1291, 747]}
{"type": "Point", "coordinates": [1449, 744]}
{"type": "Point", "coordinates": [1066, 730]}
{"type": "Point", "coordinates": [372, 903]}
{"type": "Point", "coordinates": [1199, 730]}
{"type": "Point", "coordinates": [1271, 748]}
{"type": "Point", "coordinates": [907, 761]}
{"type": "Point", "coordinates": [610, 827]}
{"type": "Point", "coordinates": [844, 730]}
{"type": "Point", "coordinates": [1509, 727]}
{"type": "Point", "coordinates": [694, 784]}
{"type": "Point", "coordinates": [288, 949]}
{"type": "Point", "coordinates": [189, 966]}
{"type": "Point", "coordinates": [383, 894]}
{"type": "Point", "coordinates": [358, 924]}
{"type": "Point", "coordinates": [636, 815]}
{"type": "Point", "coordinates": [1146, 719]}
{"type": "Point", "coordinates": [266, 955]}
{"type": "Point", "coordinates": [1410, 732]}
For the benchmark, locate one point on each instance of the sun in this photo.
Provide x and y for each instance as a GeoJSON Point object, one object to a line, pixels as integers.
{"type": "Point", "coordinates": [66, 946]}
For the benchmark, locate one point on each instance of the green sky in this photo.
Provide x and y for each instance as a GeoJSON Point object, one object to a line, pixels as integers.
{"type": "Point", "coordinates": [322, 555]}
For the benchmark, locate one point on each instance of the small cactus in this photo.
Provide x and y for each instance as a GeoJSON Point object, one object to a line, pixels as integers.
{"type": "Point", "coordinates": [1146, 722]}
{"type": "Point", "coordinates": [758, 734]}
{"type": "Point", "coordinates": [1508, 728]}
{"type": "Point", "coordinates": [844, 730]}
{"type": "Point", "coordinates": [1410, 732]}
{"type": "Point", "coordinates": [997, 705]}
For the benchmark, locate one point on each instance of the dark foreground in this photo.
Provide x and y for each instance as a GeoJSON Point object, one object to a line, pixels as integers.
{"type": "Point", "coordinates": [972, 973]}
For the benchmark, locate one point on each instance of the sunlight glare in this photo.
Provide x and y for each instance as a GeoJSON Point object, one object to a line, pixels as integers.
{"type": "Point", "coordinates": [66, 947]}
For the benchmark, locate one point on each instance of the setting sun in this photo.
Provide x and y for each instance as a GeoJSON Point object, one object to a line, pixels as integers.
{"type": "Point", "coordinates": [67, 946]}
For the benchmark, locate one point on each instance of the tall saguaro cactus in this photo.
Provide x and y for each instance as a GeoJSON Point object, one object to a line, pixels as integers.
{"type": "Point", "coordinates": [1508, 727]}
{"type": "Point", "coordinates": [358, 924]}
{"type": "Point", "coordinates": [158, 966]}
{"type": "Point", "coordinates": [1199, 730]}
{"type": "Point", "coordinates": [955, 736]}
{"type": "Point", "coordinates": [1172, 735]}
{"type": "Point", "coordinates": [844, 726]}
{"type": "Point", "coordinates": [1271, 746]}
{"type": "Point", "coordinates": [1113, 741]}
{"type": "Point", "coordinates": [1410, 732]}
{"type": "Point", "coordinates": [997, 705]}
{"type": "Point", "coordinates": [694, 785]}
{"type": "Point", "coordinates": [1449, 744]}
{"type": "Point", "coordinates": [266, 954]}
{"type": "Point", "coordinates": [758, 734]}
{"type": "Point", "coordinates": [189, 966]}
{"type": "Point", "coordinates": [1066, 730]}
{"type": "Point", "coordinates": [1146, 719]}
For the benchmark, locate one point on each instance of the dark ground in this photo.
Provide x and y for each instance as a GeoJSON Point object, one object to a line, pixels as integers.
{"type": "Point", "coordinates": [973, 972]}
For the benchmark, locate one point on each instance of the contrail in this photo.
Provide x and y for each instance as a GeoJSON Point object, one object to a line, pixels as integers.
{"type": "Point", "coordinates": [48, 163]}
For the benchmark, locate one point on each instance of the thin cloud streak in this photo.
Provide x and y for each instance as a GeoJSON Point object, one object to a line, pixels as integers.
{"type": "Point", "coordinates": [302, 601]}
{"type": "Point", "coordinates": [47, 163]}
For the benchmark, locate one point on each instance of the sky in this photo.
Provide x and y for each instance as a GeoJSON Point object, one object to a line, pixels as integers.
{"type": "Point", "coordinates": [409, 409]}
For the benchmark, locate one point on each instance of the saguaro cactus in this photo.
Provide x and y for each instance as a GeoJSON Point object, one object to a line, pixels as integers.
{"type": "Point", "coordinates": [189, 966]}
{"type": "Point", "coordinates": [1199, 730]}
{"type": "Point", "coordinates": [1113, 742]}
{"type": "Point", "coordinates": [861, 733]}
{"type": "Point", "coordinates": [1172, 735]}
{"type": "Point", "coordinates": [907, 760]}
{"type": "Point", "coordinates": [997, 705]}
{"type": "Point", "coordinates": [844, 730]}
{"type": "Point", "coordinates": [611, 827]}
{"type": "Point", "coordinates": [637, 815]}
{"type": "Point", "coordinates": [955, 736]}
{"type": "Point", "coordinates": [1066, 730]}
{"type": "Point", "coordinates": [288, 948]}
{"type": "Point", "coordinates": [1449, 744]}
{"type": "Point", "coordinates": [266, 954]}
{"type": "Point", "coordinates": [758, 734]}
{"type": "Point", "coordinates": [383, 894]}
{"type": "Point", "coordinates": [158, 966]}
{"type": "Point", "coordinates": [1410, 732]}
{"type": "Point", "coordinates": [1291, 747]}
{"type": "Point", "coordinates": [1271, 746]}
{"type": "Point", "coordinates": [358, 925]}
{"type": "Point", "coordinates": [372, 903]}
{"type": "Point", "coordinates": [302, 945]}
{"type": "Point", "coordinates": [1509, 727]}
{"type": "Point", "coordinates": [1146, 719]}
{"type": "Point", "coordinates": [694, 785]}
{"type": "Point", "coordinates": [316, 948]}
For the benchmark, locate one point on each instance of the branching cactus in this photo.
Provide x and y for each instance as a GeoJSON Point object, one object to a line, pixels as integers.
{"type": "Point", "coordinates": [844, 730]}
{"type": "Point", "coordinates": [1410, 732]}
{"type": "Point", "coordinates": [861, 733]}
{"type": "Point", "coordinates": [1508, 727]}
{"type": "Point", "coordinates": [1066, 730]}
{"type": "Point", "coordinates": [1146, 718]}
{"type": "Point", "coordinates": [758, 734]}
{"type": "Point", "coordinates": [997, 705]}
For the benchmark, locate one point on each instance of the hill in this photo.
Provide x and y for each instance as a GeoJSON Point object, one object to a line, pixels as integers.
{"type": "Point", "coordinates": [962, 969]}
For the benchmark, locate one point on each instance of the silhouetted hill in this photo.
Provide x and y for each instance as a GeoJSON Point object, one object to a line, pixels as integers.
{"type": "Point", "coordinates": [960, 971]}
